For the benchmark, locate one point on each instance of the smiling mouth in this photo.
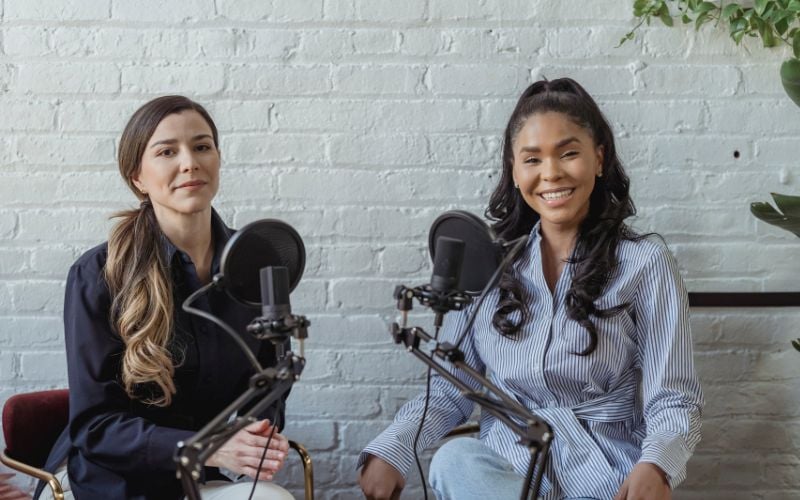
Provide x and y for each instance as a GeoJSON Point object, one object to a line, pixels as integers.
{"type": "Point", "coordinates": [557, 195]}
{"type": "Point", "coordinates": [192, 184]}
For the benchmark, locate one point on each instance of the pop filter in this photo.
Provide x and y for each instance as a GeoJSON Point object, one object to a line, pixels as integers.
{"type": "Point", "coordinates": [482, 254]}
{"type": "Point", "coordinates": [263, 243]}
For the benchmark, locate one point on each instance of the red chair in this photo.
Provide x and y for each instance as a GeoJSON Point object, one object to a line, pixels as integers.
{"type": "Point", "coordinates": [33, 421]}
{"type": "Point", "coordinates": [31, 425]}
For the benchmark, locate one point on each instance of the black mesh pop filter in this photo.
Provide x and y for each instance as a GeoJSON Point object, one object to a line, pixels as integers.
{"type": "Point", "coordinates": [481, 254]}
{"type": "Point", "coordinates": [263, 243]}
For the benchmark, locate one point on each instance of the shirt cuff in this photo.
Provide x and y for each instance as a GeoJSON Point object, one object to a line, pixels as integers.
{"type": "Point", "coordinates": [162, 446]}
{"type": "Point", "coordinates": [668, 452]}
{"type": "Point", "coordinates": [389, 447]}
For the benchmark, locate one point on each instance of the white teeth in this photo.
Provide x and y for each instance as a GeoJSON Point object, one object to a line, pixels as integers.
{"type": "Point", "coordinates": [557, 195]}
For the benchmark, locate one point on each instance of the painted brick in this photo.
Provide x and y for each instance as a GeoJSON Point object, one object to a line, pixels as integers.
{"type": "Point", "coordinates": [70, 78]}
{"type": "Point", "coordinates": [517, 10]}
{"type": "Point", "coordinates": [278, 80]}
{"type": "Point", "coordinates": [50, 366]}
{"type": "Point", "coordinates": [68, 10]}
{"type": "Point", "coordinates": [476, 80]}
{"type": "Point", "coordinates": [163, 12]}
{"type": "Point", "coordinates": [8, 224]}
{"type": "Point", "coordinates": [31, 332]}
{"type": "Point", "coordinates": [384, 79]}
{"type": "Point", "coordinates": [197, 79]}
{"type": "Point", "coordinates": [389, 11]}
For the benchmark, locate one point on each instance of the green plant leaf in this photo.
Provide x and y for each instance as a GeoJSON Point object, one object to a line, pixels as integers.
{"type": "Point", "coordinates": [702, 18]}
{"type": "Point", "coordinates": [781, 26]}
{"type": "Point", "coordinates": [730, 10]}
{"type": "Point", "coordinates": [789, 205]}
{"type": "Point", "coordinates": [686, 19]}
{"type": "Point", "coordinates": [705, 7]}
{"type": "Point", "coordinates": [796, 344]}
{"type": "Point", "coordinates": [664, 15]}
{"type": "Point", "coordinates": [628, 36]}
{"type": "Point", "coordinates": [761, 6]}
{"type": "Point", "coordinates": [738, 25]}
{"type": "Point", "coordinates": [796, 44]}
{"type": "Point", "coordinates": [768, 214]}
{"type": "Point", "coordinates": [794, 6]}
{"type": "Point", "coordinates": [765, 30]}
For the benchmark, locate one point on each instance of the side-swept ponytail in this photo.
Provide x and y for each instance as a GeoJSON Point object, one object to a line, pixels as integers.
{"type": "Point", "coordinates": [136, 271]}
{"type": "Point", "coordinates": [142, 304]}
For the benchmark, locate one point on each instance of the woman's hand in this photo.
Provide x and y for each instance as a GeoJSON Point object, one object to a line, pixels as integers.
{"type": "Point", "coordinates": [645, 482]}
{"type": "Point", "coordinates": [10, 492]}
{"type": "Point", "coordinates": [242, 453]}
{"type": "Point", "coordinates": [379, 480]}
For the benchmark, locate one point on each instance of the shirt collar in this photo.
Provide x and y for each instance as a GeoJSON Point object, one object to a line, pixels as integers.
{"type": "Point", "coordinates": [220, 234]}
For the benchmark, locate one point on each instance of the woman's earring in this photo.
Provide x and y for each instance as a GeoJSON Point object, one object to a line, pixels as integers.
{"type": "Point", "coordinates": [600, 174]}
{"type": "Point", "coordinates": [516, 186]}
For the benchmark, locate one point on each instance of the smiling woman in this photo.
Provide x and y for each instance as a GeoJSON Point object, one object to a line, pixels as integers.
{"type": "Point", "coordinates": [588, 328]}
{"type": "Point", "coordinates": [144, 375]}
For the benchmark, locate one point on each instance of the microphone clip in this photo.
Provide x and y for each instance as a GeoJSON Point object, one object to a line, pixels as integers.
{"type": "Point", "coordinates": [279, 329]}
{"type": "Point", "coordinates": [440, 302]}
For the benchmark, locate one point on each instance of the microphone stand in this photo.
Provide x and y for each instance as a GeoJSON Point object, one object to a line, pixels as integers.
{"type": "Point", "coordinates": [534, 433]}
{"type": "Point", "coordinates": [265, 388]}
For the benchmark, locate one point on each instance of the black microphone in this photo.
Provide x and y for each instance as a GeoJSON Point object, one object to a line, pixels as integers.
{"type": "Point", "coordinates": [448, 259]}
{"type": "Point", "coordinates": [447, 264]}
{"type": "Point", "coordinates": [275, 304]}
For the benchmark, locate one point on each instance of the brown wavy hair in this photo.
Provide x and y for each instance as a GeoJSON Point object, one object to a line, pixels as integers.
{"type": "Point", "coordinates": [137, 273]}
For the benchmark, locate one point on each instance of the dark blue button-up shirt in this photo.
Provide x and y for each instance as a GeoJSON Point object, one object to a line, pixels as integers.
{"type": "Point", "coordinates": [118, 447]}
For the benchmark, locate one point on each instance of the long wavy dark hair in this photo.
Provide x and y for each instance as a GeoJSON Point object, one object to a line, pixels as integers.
{"type": "Point", "coordinates": [595, 255]}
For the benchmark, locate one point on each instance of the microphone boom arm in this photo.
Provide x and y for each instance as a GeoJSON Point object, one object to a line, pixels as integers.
{"type": "Point", "coordinates": [534, 433]}
{"type": "Point", "coordinates": [266, 387]}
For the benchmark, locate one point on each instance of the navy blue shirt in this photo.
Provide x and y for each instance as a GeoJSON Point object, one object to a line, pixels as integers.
{"type": "Point", "coordinates": [116, 446]}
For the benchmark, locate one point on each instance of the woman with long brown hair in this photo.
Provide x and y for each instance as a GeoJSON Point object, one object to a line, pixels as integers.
{"type": "Point", "coordinates": [143, 374]}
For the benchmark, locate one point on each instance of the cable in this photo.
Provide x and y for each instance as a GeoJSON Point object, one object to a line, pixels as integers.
{"type": "Point", "coordinates": [275, 425]}
{"type": "Point", "coordinates": [198, 312]}
{"type": "Point", "coordinates": [422, 423]}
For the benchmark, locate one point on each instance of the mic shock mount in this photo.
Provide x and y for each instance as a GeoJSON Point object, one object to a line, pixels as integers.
{"type": "Point", "coordinates": [277, 330]}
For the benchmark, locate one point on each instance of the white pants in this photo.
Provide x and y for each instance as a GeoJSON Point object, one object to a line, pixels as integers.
{"type": "Point", "coordinates": [212, 490]}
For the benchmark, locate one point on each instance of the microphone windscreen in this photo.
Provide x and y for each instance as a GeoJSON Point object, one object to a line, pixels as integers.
{"type": "Point", "coordinates": [260, 244]}
{"type": "Point", "coordinates": [447, 264]}
{"type": "Point", "coordinates": [482, 254]}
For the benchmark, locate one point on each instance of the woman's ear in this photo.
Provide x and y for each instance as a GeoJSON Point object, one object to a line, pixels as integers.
{"type": "Point", "coordinates": [138, 184]}
{"type": "Point", "coordinates": [600, 152]}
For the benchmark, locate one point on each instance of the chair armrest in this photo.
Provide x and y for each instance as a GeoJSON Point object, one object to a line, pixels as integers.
{"type": "Point", "coordinates": [308, 468]}
{"type": "Point", "coordinates": [462, 430]}
{"type": "Point", "coordinates": [52, 482]}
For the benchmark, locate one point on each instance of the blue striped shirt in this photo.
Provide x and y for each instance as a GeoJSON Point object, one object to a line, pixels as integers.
{"type": "Point", "coordinates": [636, 398]}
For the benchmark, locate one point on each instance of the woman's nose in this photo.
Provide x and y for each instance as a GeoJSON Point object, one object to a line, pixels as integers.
{"type": "Point", "coordinates": [551, 170]}
{"type": "Point", "coordinates": [188, 162]}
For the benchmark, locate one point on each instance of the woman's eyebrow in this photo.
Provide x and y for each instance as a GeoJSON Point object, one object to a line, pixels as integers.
{"type": "Point", "coordinates": [559, 144]}
{"type": "Point", "coordinates": [173, 141]}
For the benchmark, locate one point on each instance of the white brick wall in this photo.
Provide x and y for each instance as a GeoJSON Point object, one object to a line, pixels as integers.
{"type": "Point", "coordinates": [358, 121]}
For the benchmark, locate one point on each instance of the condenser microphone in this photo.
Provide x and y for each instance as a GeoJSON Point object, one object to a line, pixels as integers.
{"type": "Point", "coordinates": [275, 287]}
{"type": "Point", "coordinates": [447, 264]}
